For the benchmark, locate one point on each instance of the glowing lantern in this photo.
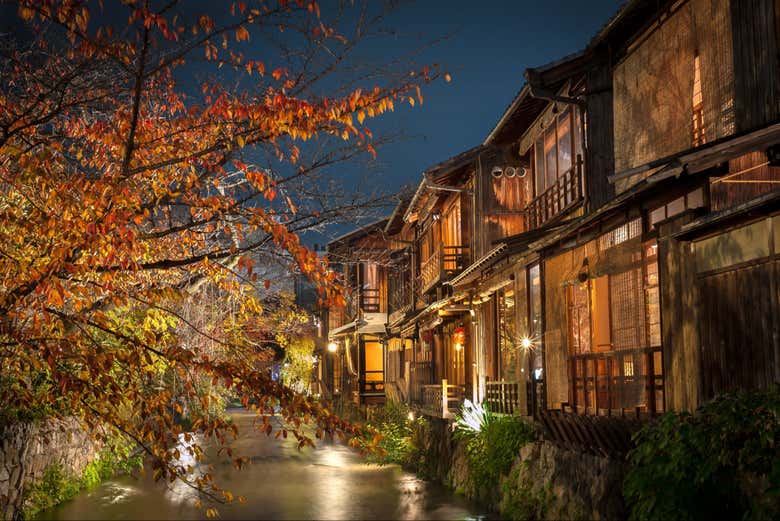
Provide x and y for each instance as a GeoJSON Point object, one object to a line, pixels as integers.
{"type": "Point", "coordinates": [459, 335]}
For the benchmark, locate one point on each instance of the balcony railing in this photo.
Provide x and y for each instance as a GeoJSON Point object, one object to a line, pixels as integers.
{"type": "Point", "coordinates": [442, 400]}
{"type": "Point", "coordinates": [618, 382]}
{"type": "Point", "coordinates": [503, 397]}
{"type": "Point", "coordinates": [444, 263]}
{"type": "Point", "coordinates": [369, 300]}
{"type": "Point", "coordinates": [399, 292]}
{"type": "Point", "coordinates": [421, 374]}
{"type": "Point", "coordinates": [565, 193]}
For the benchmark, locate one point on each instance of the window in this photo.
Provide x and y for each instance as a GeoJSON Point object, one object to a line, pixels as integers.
{"type": "Point", "coordinates": [614, 335]}
{"type": "Point", "coordinates": [698, 104]}
{"type": "Point", "coordinates": [556, 149]}
{"type": "Point", "coordinates": [507, 332]}
{"type": "Point", "coordinates": [691, 200]}
{"type": "Point", "coordinates": [535, 314]}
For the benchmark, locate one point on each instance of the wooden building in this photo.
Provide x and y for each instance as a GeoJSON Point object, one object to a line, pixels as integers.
{"type": "Point", "coordinates": [356, 332]}
{"type": "Point", "coordinates": [613, 246]}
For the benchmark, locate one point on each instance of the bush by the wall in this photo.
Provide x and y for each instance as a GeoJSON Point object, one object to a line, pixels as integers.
{"type": "Point", "coordinates": [57, 486]}
{"type": "Point", "coordinates": [393, 424]}
{"type": "Point", "coordinates": [492, 448]}
{"type": "Point", "coordinates": [722, 462]}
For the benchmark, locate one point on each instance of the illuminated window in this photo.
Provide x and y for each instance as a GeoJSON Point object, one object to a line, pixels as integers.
{"type": "Point", "coordinates": [698, 104]}
{"type": "Point", "coordinates": [694, 199]}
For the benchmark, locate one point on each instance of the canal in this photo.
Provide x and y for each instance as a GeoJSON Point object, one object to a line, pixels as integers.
{"type": "Point", "coordinates": [281, 482]}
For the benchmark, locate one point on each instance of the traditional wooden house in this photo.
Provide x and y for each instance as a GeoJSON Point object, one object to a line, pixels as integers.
{"type": "Point", "coordinates": [612, 247]}
{"type": "Point", "coordinates": [666, 294]}
{"type": "Point", "coordinates": [432, 323]}
{"type": "Point", "coordinates": [356, 332]}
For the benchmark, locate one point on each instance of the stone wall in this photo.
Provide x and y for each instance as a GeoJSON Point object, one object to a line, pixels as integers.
{"type": "Point", "coordinates": [27, 449]}
{"type": "Point", "coordinates": [547, 482]}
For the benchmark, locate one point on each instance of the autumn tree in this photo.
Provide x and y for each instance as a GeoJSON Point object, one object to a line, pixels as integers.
{"type": "Point", "coordinates": [147, 151]}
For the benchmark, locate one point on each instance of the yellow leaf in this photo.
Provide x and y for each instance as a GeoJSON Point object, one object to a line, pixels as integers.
{"type": "Point", "coordinates": [241, 141]}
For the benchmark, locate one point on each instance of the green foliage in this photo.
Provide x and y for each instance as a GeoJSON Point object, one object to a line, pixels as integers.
{"type": "Point", "coordinates": [393, 424]}
{"type": "Point", "coordinates": [721, 462]}
{"type": "Point", "coordinates": [519, 499]}
{"type": "Point", "coordinates": [471, 418]}
{"type": "Point", "coordinates": [298, 363]}
{"type": "Point", "coordinates": [422, 457]}
{"type": "Point", "coordinates": [56, 486]}
{"type": "Point", "coordinates": [492, 449]}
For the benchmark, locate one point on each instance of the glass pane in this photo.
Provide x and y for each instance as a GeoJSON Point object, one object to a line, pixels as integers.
{"type": "Point", "coordinates": [740, 245]}
{"type": "Point", "coordinates": [657, 215]}
{"type": "Point", "coordinates": [576, 125]}
{"type": "Point", "coordinates": [535, 313]}
{"type": "Point", "coordinates": [696, 198]}
{"type": "Point", "coordinates": [675, 207]}
{"type": "Point", "coordinates": [539, 165]}
{"type": "Point", "coordinates": [373, 361]}
{"type": "Point", "coordinates": [579, 319]}
{"type": "Point", "coordinates": [564, 141]}
{"type": "Point", "coordinates": [550, 155]}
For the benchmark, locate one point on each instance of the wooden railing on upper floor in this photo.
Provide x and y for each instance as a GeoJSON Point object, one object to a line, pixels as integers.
{"type": "Point", "coordinates": [444, 263]}
{"type": "Point", "coordinates": [370, 300]}
{"type": "Point", "coordinates": [565, 193]}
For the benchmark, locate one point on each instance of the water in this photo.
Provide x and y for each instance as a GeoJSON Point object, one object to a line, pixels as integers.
{"type": "Point", "coordinates": [329, 482]}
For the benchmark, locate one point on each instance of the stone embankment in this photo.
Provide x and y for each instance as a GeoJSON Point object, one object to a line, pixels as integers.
{"type": "Point", "coordinates": [27, 449]}
{"type": "Point", "coordinates": [546, 481]}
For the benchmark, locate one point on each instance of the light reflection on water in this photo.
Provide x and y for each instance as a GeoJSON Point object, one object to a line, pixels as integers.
{"type": "Point", "coordinates": [330, 482]}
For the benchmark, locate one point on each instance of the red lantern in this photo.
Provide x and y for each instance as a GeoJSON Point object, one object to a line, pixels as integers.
{"type": "Point", "coordinates": [459, 335]}
{"type": "Point", "coordinates": [427, 336]}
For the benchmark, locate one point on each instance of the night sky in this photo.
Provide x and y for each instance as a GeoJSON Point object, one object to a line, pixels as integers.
{"type": "Point", "coordinates": [490, 46]}
{"type": "Point", "coordinates": [485, 46]}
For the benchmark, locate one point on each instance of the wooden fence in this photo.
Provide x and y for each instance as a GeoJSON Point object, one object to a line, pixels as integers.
{"type": "Point", "coordinates": [599, 435]}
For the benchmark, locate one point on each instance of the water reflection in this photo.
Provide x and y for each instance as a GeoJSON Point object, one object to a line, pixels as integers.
{"type": "Point", "coordinates": [330, 482]}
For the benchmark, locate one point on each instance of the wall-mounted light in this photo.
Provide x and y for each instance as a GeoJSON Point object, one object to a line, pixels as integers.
{"type": "Point", "coordinates": [333, 347]}
{"type": "Point", "coordinates": [526, 343]}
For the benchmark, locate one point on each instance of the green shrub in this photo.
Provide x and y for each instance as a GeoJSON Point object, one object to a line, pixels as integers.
{"type": "Point", "coordinates": [56, 486]}
{"type": "Point", "coordinates": [721, 462]}
{"type": "Point", "coordinates": [393, 424]}
{"type": "Point", "coordinates": [422, 458]}
{"type": "Point", "coordinates": [492, 449]}
{"type": "Point", "coordinates": [52, 489]}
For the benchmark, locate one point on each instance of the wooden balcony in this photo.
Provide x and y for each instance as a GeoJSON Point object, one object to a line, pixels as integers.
{"type": "Point", "coordinates": [370, 300]}
{"type": "Point", "coordinates": [619, 382]}
{"type": "Point", "coordinates": [503, 397]}
{"type": "Point", "coordinates": [442, 400]}
{"type": "Point", "coordinates": [399, 293]}
{"type": "Point", "coordinates": [444, 263]}
{"type": "Point", "coordinates": [564, 194]}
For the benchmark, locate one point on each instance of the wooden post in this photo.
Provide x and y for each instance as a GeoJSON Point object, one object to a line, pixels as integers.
{"type": "Point", "coordinates": [444, 404]}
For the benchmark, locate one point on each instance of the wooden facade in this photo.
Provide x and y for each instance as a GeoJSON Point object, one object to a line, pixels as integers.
{"type": "Point", "coordinates": [612, 248]}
